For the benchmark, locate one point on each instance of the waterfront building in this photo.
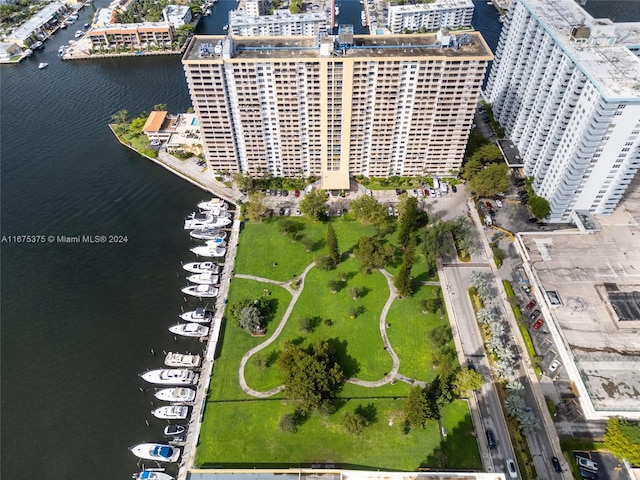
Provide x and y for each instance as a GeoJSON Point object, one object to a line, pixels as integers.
{"type": "Point", "coordinates": [565, 89]}
{"type": "Point", "coordinates": [36, 27]}
{"type": "Point", "coordinates": [430, 16]}
{"type": "Point", "coordinates": [131, 36]}
{"type": "Point", "coordinates": [344, 106]}
{"type": "Point", "coordinates": [178, 15]}
{"type": "Point", "coordinates": [253, 8]}
{"type": "Point", "coordinates": [282, 22]}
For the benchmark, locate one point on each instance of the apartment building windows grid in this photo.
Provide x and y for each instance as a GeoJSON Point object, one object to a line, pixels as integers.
{"type": "Point", "coordinates": [377, 114]}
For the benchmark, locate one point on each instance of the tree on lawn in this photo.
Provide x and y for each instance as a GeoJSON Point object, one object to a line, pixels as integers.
{"type": "Point", "coordinates": [291, 228]}
{"type": "Point", "coordinates": [368, 211]}
{"type": "Point", "coordinates": [415, 408]}
{"type": "Point", "coordinates": [255, 208]}
{"type": "Point", "coordinates": [314, 204]}
{"type": "Point", "coordinates": [354, 422]}
{"type": "Point", "coordinates": [490, 180]}
{"type": "Point", "coordinates": [435, 242]}
{"type": "Point", "coordinates": [372, 253]}
{"type": "Point", "coordinates": [539, 206]}
{"type": "Point", "coordinates": [332, 245]}
{"type": "Point", "coordinates": [356, 292]}
{"type": "Point", "coordinates": [402, 281]}
{"type": "Point", "coordinates": [466, 381]}
{"type": "Point", "coordinates": [120, 117]}
{"type": "Point", "coordinates": [622, 438]}
{"type": "Point", "coordinates": [407, 220]}
{"type": "Point", "coordinates": [250, 315]}
{"type": "Point", "coordinates": [311, 376]}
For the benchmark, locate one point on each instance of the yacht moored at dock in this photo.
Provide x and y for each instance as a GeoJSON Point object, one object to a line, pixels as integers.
{"type": "Point", "coordinates": [171, 376]}
{"type": "Point", "coordinates": [152, 475]}
{"type": "Point", "coordinates": [156, 451]}
{"type": "Point", "coordinates": [185, 360]}
{"type": "Point", "coordinates": [201, 291]}
{"type": "Point", "coordinates": [199, 315]}
{"type": "Point", "coordinates": [200, 221]}
{"type": "Point", "coordinates": [213, 204]}
{"type": "Point", "coordinates": [174, 430]}
{"type": "Point", "coordinates": [206, 278]}
{"type": "Point", "coordinates": [176, 395]}
{"type": "Point", "coordinates": [209, 251]}
{"type": "Point", "coordinates": [189, 330]}
{"type": "Point", "coordinates": [171, 412]}
{"type": "Point", "coordinates": [208, 234]}
{"type": "Point", "coordinates": [202, 267]}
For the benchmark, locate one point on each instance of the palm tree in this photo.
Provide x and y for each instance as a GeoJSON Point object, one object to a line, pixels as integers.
{"type": "Point", "coordinates": [514, 404]}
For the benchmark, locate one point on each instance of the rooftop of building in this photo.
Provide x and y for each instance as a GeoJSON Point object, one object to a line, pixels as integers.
{"type": "Point", "coordinates": [279, 16]}
{"type": "Point", "coordinates": [591, 283]}
{"type": "Point", "coordinates": [596, 45]}
{"type": "Point", "coordinates": [44, 15]}
{"type": "Point", "coordinates": [469, 45]}
{"type": "Point", "coordinates": [130, 27]}
{"type": "Point", "coordinates": [434, 6]}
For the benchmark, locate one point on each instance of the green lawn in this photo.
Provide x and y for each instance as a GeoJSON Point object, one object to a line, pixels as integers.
{"type": "Point", "coordinates": [265, 252]}
{"type": "Point", "coordinates": [409, 334]}
{"type": "Point", "coordinates": [241, 431]}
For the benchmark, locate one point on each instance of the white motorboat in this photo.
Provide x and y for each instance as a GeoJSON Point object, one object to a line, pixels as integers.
{"type": "Point", "coordinates": [174, 430]}
{"type": "Point", "coordinates": [152, 475]}
{"type": "Point", "coordinates": [209, 251]}
{"type": "Point", "coordinates": [28, 52]}
{"type": "Point", "coordinates": [206, 278]}
{"type": "Point", "coordinates": [171, 412]}
{"type": "Point", "coordinates": [171, 376]}
{"type": "Point", "coordinates": [176, 395]}
{"type": "Point", "coordinates": [189, 330]}
{"type": "Point", "coordinates": [213, 204]}
{"type": "Point", "coordinates": [186, 360]}
{"type": "Point", "coordinates": [336, 10]}
{"type": "Point", "coordinates": [199, 315]}
{"type": "Point", "coordinates": [201, 291]}
{"type": "Point", "coordinates": [43, 65]}
{"type": "Point", "coordinates": [208, 234]}
{"type": "Point", "coordinates": [200, 221]}
{"type": "Point", "coordinates": [156, 451]}
{"type": "Point", "coordinates": [202, 267]}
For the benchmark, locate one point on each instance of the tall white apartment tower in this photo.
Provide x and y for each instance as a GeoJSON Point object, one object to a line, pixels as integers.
{"type": "Point", "coordinates": [568, 96]}
{"type": "Point", "coordinates": [349, 105]}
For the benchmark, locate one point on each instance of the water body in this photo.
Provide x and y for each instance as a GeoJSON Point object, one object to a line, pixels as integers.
{"type": "Point", "coordinates": [79, 320]}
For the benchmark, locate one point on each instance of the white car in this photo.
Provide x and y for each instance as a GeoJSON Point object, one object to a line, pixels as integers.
{"type": "Point", "coordinates": [587, 463]}
{"type": "Point", "coordinates": [499, 203]}
{"type": "Point", "coordinates": [554, 366]}
{"type": "Point", "coordinates": [511, 468]}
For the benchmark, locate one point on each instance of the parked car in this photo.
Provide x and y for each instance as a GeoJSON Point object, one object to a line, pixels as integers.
{"type": "Point", "coordinates": [489, 206]}
{"type": "Point", "coordinates": [587, 463]}
{"type": "Point", "coordinates": [296, 193]}
{"type": "Point", "coordinates": [285, 193]}
{"type": "Point", "coordinates": [268, 192]}
{"type": "Point", "coordinates": [531, 304]}
{"type": "Point", "coordinates": [511, 468]}
{"type": "Point", "coordinates": [454, 189]}
{"type": "Point", "coordinates": [499, 203]}
{"type": "Point", "coordinates": [491, 439]}
{"type": "Point", "coordinates": [588, 474]}
{"type": "Point", "coordinates": [554, 366]}
{"type": "Point", "coordinates": [556, 464]}
{"type": "Point", "coordinates": [390, 211]}
{"type": "Point", "coordinates": [538, 323]}
{"type": "Point", "coordinates": [535, 314]}
{"type": "Point", "coordinates": [279, 192]}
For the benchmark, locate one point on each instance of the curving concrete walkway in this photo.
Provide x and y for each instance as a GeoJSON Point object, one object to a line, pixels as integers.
{"type": "Point", "coordinates": [295, 294]}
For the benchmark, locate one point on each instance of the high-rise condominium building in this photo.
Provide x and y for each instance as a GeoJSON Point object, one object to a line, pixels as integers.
{"type": "Point", "coordinates": [281, 23]}
{"type": "Point", "coordinates": [347, 105]}
{"type": "Point", "coordinates": [430, 16]}
{"type": "Point", "coordinates": [567, 92]}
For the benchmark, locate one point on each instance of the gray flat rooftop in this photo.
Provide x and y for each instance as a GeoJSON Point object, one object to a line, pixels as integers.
{"type": "Point", "coordinates": [615, 70]}
{"type": "Point", "coordinates": [423, 45]}
{"type": "Point", "coordinates": [584, 269]}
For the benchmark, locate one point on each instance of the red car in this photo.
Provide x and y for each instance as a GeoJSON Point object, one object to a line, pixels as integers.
{"type": "Point", "coordinates": [531, 304]}
{"type": "Point", "coordinates": [538, 323]}
{"type": "Point", "coordinates": [296, 193]}
{"type": "Point", "coordinates": [489, 206]}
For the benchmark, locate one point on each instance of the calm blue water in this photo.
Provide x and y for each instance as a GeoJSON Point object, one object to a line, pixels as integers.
{"type": "Point", "coordinates": [79, 321]}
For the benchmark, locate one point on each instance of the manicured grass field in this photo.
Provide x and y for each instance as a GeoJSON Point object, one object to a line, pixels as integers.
{"type": "Point", "coordinates": [241, 431]}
